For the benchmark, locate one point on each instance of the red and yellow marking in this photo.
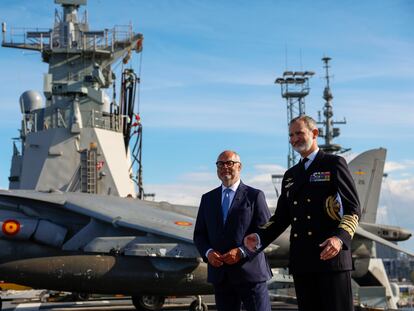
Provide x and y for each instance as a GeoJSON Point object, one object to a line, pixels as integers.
{"type": "Point", "coordinates": [10, 227]}
{"type": "Point", "coordinates": [183, 223]}
{"type": "Point", "coordinates": [359, 172]}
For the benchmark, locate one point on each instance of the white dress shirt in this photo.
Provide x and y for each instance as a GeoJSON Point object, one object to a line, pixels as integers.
{"type": "Point", "coordinates": [231, 194]}
{"type": "Point", "coordinates": [310, 158]}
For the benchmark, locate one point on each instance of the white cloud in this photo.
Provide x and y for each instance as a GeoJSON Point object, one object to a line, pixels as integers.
{"type": "Point", "coordinates": [270, 168]}
{"type": "Point", "coordinates": [178, 193]}
{"type": "Point", "coordinates": [391, 166]}
{"type": "Point", "coordinates": [199, 177]}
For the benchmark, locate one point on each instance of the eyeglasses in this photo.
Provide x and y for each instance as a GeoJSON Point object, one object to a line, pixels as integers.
{"type": "Point", "coordinates": [221, 164]}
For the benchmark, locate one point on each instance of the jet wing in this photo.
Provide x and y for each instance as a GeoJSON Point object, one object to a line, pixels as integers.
{"type": "Point", "coordinates": [52, 197]}
{"type": "Point", "coordinates": [370, 236]}
{"type": "Point", "coordinates": [122, 212]}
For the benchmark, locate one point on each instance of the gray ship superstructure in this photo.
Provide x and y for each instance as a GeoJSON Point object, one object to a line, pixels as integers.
{"type": "Point", "coordinates": [78, 140]}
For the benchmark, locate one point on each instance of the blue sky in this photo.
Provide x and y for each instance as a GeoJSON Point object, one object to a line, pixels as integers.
{"type": "Point", "coordinates": [207, 73]}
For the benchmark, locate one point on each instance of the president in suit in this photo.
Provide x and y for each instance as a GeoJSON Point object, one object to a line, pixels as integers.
{"type": "Point", "coordinates": [320, 203]}
{"type": "Point", "coordinates": [226, 215]}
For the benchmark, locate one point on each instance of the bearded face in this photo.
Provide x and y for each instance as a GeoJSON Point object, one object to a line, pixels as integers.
{"type": "Point", "coordinates": [302, 139]}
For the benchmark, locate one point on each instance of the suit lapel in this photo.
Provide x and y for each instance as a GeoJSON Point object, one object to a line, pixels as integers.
{"type": "Point", "coordinates": [315, 163]}
{"type": "Point", "coordinates": [302, 176]}
{"type": "Point", "coordinates": [218, 214]}
{"type": "Point", "coordinates": [299, 178]}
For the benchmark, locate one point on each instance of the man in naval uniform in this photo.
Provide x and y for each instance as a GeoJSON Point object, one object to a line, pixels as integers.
{"type": "Point", "coordinates": [226, 215]}
{"type": "Point", "coordinates": [320, 203]}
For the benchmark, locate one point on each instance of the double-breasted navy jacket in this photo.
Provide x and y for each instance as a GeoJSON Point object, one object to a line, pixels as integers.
{"type": "Point", "coordinates": [247, 212]}
{"type": "Point", "coordinates": [318, 203]}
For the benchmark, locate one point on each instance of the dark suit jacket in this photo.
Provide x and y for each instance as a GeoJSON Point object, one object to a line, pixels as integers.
{"type": "Point", "coordinates": [309, 203]}
{"type": "Point", "coordinates": [247, 212]}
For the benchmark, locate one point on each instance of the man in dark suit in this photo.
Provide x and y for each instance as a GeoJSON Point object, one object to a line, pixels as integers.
{"type": "Point", "coordinates": [320, 202]}
{"type": "Point", "coordinates": [226, 215]}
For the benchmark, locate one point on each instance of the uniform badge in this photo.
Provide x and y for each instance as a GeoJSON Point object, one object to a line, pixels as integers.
{"type": "Point", "coordinates": [333, 208]}
{"type": "Point", "coordinates": [289, 185]}
{"type": "Point", "coordinates": [320, 176]}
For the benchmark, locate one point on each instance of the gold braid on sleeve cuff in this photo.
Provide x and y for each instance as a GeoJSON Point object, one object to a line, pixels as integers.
{"type": "Point", "coordinates": [266, 225]}
{"type": "Point", "coordinates": [349, 223]}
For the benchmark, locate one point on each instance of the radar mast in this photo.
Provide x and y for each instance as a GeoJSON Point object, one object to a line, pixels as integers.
{"type": "Point", "coordinates": [328, 131]}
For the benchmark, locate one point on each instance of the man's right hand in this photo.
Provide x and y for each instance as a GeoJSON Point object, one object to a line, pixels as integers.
{"type": "Point", "coordinates": [251, 241]}
{"type": "Point", "coordinates": [214, 258]}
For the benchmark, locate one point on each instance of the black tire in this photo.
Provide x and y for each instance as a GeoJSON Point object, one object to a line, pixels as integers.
{"type": "Point", "coordinates": [195, 307]}
{"type": "Point", "coordinates": [80, 296]}
{"type": "Point", "coordinates": [148, 303]}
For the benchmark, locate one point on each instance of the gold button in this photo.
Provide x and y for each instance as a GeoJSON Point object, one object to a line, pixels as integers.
{"type": "Point", "coordinates": [310, 233]}
{"type": "Point", "coordinates": [309, 217]}
{"type": "Point", "coordinates": [295, 202]}
{"type": "Point", "coordinates": [308, 200]}
{"type": "Point", "coordinates": [295, 235]}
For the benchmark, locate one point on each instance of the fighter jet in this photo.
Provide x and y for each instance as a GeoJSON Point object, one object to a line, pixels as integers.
{"type": "Point", "coordinates": [102, 244]}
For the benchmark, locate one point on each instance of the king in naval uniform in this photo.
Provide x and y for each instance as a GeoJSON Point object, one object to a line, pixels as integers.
{"type": "Point", "coordinates": [320, 202]}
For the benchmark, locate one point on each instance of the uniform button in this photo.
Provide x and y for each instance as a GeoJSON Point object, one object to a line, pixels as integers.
{"type": "Point", "coordinates": [308, 200]}
{"type": "Point", "coordinates": [295, 235]}
{"type": "Point", "coordinates": [309, 217]}
{"type": "Point", "coordinates": [294, 219]}
{"type": "Point", "coordinates": [295, 202]}
{"type": "Point", "coordinates": [310, 233]}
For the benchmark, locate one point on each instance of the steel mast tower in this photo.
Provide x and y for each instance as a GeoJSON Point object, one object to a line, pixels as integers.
{"type": "Point", "coordinates": [294, 88]}
{"type": "Point", "coordinates": [328, 131]}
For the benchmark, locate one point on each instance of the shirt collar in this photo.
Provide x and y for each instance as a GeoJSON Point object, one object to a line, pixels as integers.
{"type": "Point", "coordinates": [233, 187]}
{"type": "Point", "coordinates": [312, 156]}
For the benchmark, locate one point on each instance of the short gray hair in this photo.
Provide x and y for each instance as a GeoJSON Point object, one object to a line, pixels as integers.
{"type": "Point", "coordinates": [309, 121]}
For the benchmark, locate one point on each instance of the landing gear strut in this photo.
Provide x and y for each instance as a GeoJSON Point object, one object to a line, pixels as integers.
{"type": "Point", "coordinates": [198, 305]}
{"type": "Point", "coordinates": [148, 303]}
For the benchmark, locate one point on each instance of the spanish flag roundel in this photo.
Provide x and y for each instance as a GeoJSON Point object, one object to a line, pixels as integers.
{"type": "Point", "coordinates": [10, 227]}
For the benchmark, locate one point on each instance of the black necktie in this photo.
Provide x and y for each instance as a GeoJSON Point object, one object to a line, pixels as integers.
{"type": "Point", "coordinates": [302, 163]}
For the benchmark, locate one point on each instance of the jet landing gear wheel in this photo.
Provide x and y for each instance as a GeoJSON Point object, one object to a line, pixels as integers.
{"type": "Point", "coordinates": [80, 296]}
{"type": "Point", "coordinates": [198, 305]}
{"type": "Point", "coordinates": [148, 303]}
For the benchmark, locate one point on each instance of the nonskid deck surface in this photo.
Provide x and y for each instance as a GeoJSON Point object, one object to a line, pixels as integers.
{"type": "Point", "coordinates": [179, 304]}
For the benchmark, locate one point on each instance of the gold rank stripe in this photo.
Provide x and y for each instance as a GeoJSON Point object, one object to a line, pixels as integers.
{"type": "Point", "coordinates": [266, 225]}
{"type": "Point", "coordinates": [349, 223]}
